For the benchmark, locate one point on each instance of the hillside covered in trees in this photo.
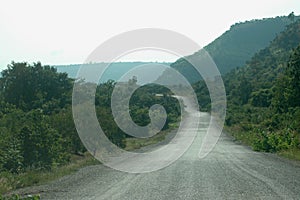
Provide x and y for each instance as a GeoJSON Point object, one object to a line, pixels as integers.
{"type": "Point", "coordinates": [263, 96]}
{"type": "Point", "coordinates": [237, 45]}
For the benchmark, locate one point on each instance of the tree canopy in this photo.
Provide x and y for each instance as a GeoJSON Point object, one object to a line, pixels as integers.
{"type": "Point", "coordinates": [37, 130]}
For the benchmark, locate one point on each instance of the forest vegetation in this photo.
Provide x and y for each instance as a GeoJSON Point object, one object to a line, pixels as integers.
{"type": "Point", "coordinates": [263, 102]}
{"type": "Point", "coordinates": [36, 123]}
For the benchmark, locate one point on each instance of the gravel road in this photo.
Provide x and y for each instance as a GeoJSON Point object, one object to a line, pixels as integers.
{"type": "Point", "coordinates": [230, 171]}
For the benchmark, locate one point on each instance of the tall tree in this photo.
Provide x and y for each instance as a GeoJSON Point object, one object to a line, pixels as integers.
{"type": "Point", "coordinates": [30, 86]}
{"type": "Point", "coordinates": [293, 72]}
{"type": "Point", "coordinates": [291, 16]}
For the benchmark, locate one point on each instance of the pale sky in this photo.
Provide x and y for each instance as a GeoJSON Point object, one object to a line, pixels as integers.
{"type": "Point", "coordinates": [66, 32]}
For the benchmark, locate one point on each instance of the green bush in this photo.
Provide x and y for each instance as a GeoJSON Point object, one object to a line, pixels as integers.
{"type": "Point", "coordinates": [275, 141]}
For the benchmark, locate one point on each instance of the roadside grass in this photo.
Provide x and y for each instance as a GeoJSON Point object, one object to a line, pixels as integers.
{"type": "Point", "coordinates": [292, 154]}
{"type": "Point", "coordinates": [239, 135]}
{"type": "Point", "coordinates": [246, 138]}
{"type": "Point", "coordinates": [10, 182]}
{"type": "Point", "coordinates": [136, 143]}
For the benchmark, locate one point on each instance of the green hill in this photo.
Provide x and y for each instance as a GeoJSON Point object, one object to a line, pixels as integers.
{"type": "Point", "coordinates": [116, 70]}
{"type": "Point", "coordinates": [264, 96]}
{"type": "Point", "coordinates": [237, 45]}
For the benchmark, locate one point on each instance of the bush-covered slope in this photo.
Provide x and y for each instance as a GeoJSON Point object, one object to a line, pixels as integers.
{"type": "Point", "coordinates": [263, 97]}
{"type": "Point", "coordinates": [237, 45]}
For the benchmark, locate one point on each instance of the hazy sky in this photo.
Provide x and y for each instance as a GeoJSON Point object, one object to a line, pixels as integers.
{"type": "Point", "coordinates": [65, 32]}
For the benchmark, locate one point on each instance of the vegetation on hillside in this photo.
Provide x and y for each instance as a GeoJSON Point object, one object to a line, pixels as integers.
{"type": "Point", "coordinates": [237, 45]}
{"type": "Point", "coordinates": [263, 96]}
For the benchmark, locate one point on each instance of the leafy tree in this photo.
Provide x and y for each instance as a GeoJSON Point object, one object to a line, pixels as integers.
{"type": "Point", "coordinates": [30, 86]}
{"type": "Point", "coordinates": [261, 98]}
{"type": "Point", "coordinates": [29, 95]}
{"type": "Point", "coordinates": [291, 16]}
{"type": "Point", "coordinates": [63, 122]}
{"type": "Point", "coordinates": [293, 72]}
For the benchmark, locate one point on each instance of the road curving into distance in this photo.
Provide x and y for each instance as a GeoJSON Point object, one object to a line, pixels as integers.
{"type": "Point", "coordinates": [230, 171]}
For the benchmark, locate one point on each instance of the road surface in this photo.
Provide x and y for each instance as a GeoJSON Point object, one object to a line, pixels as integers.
{"type": "Point", "coordinates": [230, 171]}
